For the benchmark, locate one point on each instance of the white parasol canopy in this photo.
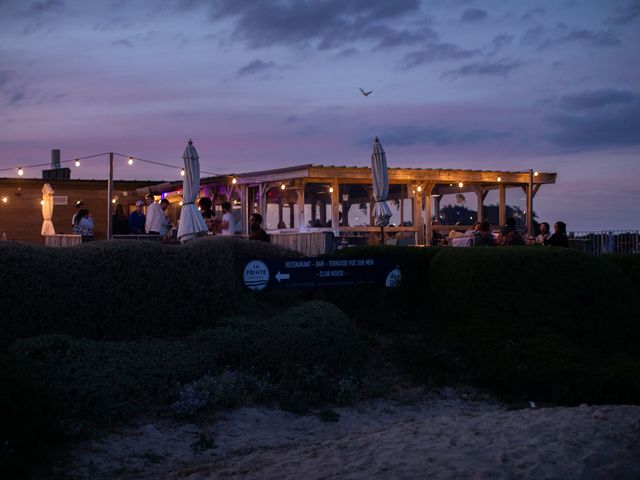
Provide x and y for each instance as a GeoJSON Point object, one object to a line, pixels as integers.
{"type": "Point", "coordinates": [381, 211]}
{"type": "Point", "coordinates": [47, 210]}
{"type": "Point", "coordinates": [191, 221]}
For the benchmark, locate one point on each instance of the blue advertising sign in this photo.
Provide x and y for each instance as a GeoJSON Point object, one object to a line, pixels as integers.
{"type": "Point", "coordinates": [296, 273]}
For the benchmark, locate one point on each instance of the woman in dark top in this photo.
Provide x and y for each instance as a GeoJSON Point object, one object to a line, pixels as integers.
{"type": "Point", "coordinates": [559, 237]}
{"type": "Point", "coordinates": [120, 221]}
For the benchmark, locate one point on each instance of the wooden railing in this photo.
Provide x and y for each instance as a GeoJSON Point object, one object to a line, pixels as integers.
{"type": "Point", "coordinates": [310, 244]}
{"type": "Point", "coordinates": [62, 240]}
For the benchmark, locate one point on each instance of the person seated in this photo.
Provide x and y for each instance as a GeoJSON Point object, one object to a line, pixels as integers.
{"type": "Point", "coordinates": [484, 237]}
{"type": "Point", "coordinates": [559, 237]}
{"type": "Point", "coordinates": [544, 233]}
{"type": "Point", "coordinates": [473, 230]}
{"type": "Point", "coordinates": [256, 232]}
{"type": "Point", "coordinates": [207, 213]}
{"type": "Point", "coordinates": [281, 225]}
{"type": "Point", "coordinates": [509, 236]}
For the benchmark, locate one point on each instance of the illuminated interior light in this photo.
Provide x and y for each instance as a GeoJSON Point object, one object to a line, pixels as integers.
{"type": "Point", "coordinates": [41, 202]}
{"type": "Point", "coordinates": [330, 189]}
{"type": "Point", "coordinates": [419, 188]}
{"type": "Point", "coordinates": [5, 199]}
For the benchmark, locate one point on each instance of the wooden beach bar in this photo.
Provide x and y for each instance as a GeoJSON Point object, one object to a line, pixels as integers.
{"type": "Point", "coordinates": [339, 200]}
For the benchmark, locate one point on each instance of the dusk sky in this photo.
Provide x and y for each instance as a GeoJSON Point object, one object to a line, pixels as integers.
{"type": "Point", "coordinates": [495, 84]}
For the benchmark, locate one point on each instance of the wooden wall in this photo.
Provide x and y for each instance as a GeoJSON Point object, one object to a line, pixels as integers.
{"type": "Point", "coordinates": [21, 215]}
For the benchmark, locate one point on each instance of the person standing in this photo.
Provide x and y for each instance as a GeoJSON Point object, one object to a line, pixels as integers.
{"type": "Point", "coordinates": [83, 225]}
{"type": "Point", "coordinates": [156, 221]}
{"type": "Point", "coordinates": [256, 232]}
{"type": "Point", "coordinates": [120, 221]}
{"type": "Point", "coordinates": [79, 204]}
{"type": "Point", "coordinates": [137, 219]}
{"type": "Point", "coordinates": [227, 219]}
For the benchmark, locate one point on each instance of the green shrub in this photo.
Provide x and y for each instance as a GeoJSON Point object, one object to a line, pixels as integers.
{"type": "Point", "coordinates": [629, 264]}
{"type": "Point", "coordinates": [105, 381]}
{"type": "Point", "coordinates": [387, 309]}
{"type": "Point", "coordinates": [536, 322]}
{"type": "Point", "coordinates": [124, 289]}
{"type": "Point", "coordinates": [28, 429]}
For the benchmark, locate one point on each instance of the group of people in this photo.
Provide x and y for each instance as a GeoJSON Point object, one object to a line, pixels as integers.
{"type": "Point", "coordinates": [156, 222]}
{"type": "Point", "coordinates": [225, 225]}
{"type": "Point", "coordinates": [509, 235]}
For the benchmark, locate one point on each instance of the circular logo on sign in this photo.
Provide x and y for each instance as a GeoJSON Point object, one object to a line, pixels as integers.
{"type": "Point", "coordinates": [393, 279]}
{"type": "Point", "coordinates": [256, 275]}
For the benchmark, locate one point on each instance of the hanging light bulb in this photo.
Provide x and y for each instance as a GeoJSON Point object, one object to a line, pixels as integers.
{"type": "Point", "coordinates": [460, 184]}
{"type": "Point", "coordinates": [182, 172]}
{"type": "Point", "coordinates": [535, 174]}
{"type": "Point", "coordinates": [330, 189]}
{"type": "Point", "coordinates": [499, 179]}
{"type": "Point", "coordinates": [5, 199]}
{"type": "Point", "coordinates": [283, 186]}
{"type": "Point", "coordinates": [41, 202]}
{"type": "Point", "coordinates": [77, 162]}
{"type": "Point", "coordinates": [234, 180]}
{"type": "Point", "coordinates": [180, 203]}
{"type": "Point", "coordinates": [113, 200]}
{"type": "Point", "coordinates": [130, 161]}
{"type": "Point", "coordinates": [419, 188]}
{"type": "Point", "coordinates": [20, 171]}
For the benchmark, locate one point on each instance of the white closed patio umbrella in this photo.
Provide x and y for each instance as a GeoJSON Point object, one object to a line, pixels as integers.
{"type": "Point", "coordinates": [47, 211]}
{"type": "Point", "coordinates": [381, 211]}
{"type": "Point", "coordinates": [191, 222]}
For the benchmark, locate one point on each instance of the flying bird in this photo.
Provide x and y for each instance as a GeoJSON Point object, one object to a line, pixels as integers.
{"type": "Point", "coordinates": [366, 94]}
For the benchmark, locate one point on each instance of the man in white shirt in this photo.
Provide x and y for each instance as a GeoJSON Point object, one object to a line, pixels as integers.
{"type": "Point", "coordinates": [227, 219]}
{"type": "Point", "coordinates": [156, 221]}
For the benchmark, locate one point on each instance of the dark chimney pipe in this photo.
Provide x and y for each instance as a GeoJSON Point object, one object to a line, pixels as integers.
{"type": "Point", "coordinates": [55, 158]}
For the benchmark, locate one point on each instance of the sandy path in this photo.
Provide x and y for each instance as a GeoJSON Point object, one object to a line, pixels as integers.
{"type": "Point", "coordinates": [431, 438]}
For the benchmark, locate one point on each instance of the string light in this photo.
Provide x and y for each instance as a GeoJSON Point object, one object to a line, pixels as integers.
{"type": "Point", "coordinates": [419, 188]}
{"type": "Point", "coordinates": [20, 171]}
{"type": "Point", "coordinates": [77, 162]}
{"type": "Point", "coordinates": [180, 203]}
{"type": "Point", "coordinates": [41, 202]}
{"type": "Point", "coordinates": [113, 200]}
{"type": "Point", "coordinates": [182, 172]}
{"type": "Point", "coordinates": [234, 180]}
{"type": "Point", "coordinates": [499, 179]}
{"type": "Point", "coordinates": [330, 189]}
{"type": "Point", "coordinates": [130, 161]}
{"type": "Point", "coordinates": [5, 199]}
{"type": "Point", "coordinates": [535, 174]}
{"type": "Point", "coordinates": [283, 186]}
{"type": "Point", "coordinates": [460, 184]}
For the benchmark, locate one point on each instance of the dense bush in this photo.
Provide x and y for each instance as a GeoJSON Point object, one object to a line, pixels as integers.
{"type": "Point", "coordinates": [394, 310]}
{"type": "Point", "coordinates": [123, 289]}
{"type": "Point", "coordinates": [629, 264]}
{"type": "Point", "coordinates": [103, 381]}
{"type": "Point", "coordinates": [553, 323]}
{"type": "Point", "coordinates": [28, 428]}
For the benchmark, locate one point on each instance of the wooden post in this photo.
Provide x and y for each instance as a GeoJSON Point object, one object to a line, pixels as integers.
{"type": "Point", "coordinates": [301, 223]}
{"type": "Point", "coordinates": [417, 218]}
{"type": "Point", "coordinates": [530, 204]}
{"type": "Point", "coordinates": [335, 206]}
{"type": "Point", "coordinates": [502, 204]}
{"type": "Point", "coordinates": [109, 197]}
{"type": "Point", "coordinates": [480, 199]}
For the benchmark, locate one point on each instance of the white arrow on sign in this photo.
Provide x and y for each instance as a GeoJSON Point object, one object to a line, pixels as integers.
{"type": "Point", "coordinates": [282, 276]}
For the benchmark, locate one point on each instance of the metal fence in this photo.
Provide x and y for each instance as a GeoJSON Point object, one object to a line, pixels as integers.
{"type": "Point", "coordinates": [612, 241]}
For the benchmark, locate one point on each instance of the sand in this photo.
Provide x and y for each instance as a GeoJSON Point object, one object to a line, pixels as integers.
{"type": "Point", "coordinates": [440, 435]}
